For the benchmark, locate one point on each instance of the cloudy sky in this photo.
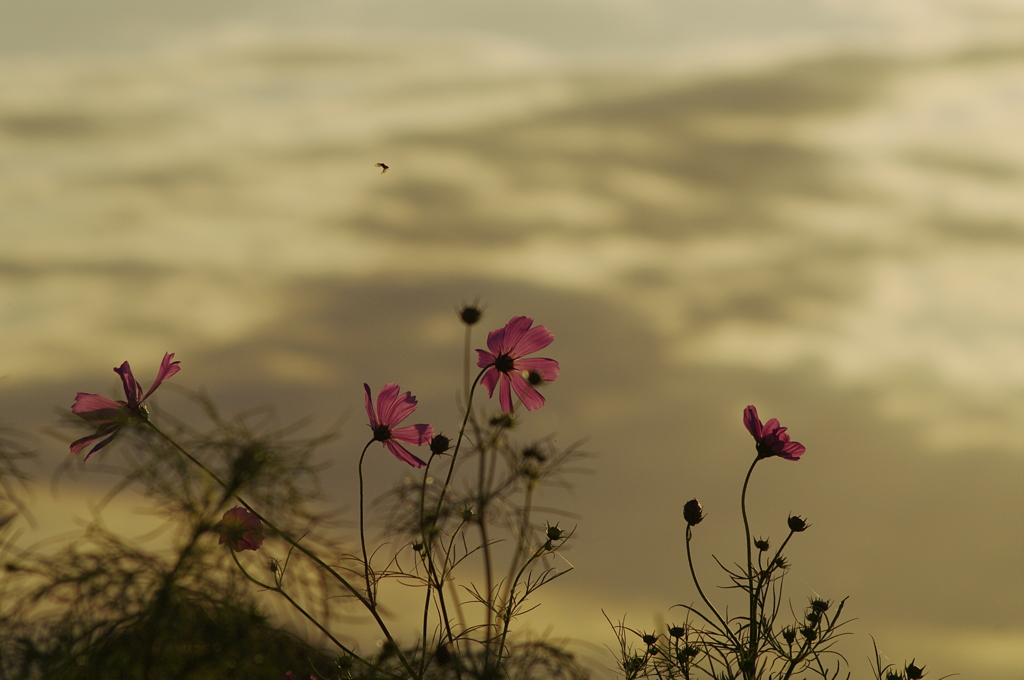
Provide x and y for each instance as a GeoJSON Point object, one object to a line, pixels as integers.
{"type": "Point", "coordinates": [813, 206]}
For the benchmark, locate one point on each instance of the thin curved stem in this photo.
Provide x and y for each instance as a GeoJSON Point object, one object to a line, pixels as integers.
{"type": "Point", "coordinates": [432, 577]}
{"type": "Point", "coordinates": [752, 648]}
{"type": "Point", "coordinates": [700, 591]}
{"type": "Point", "coordinates": [426, 611]}
{"type": "Point", "coordinates": [466, 362]}
{"type": "Point", "coordinates": [279, 590]}
{"type": "Point", "coordinates": [458, 442]}
{"type": "Point", "coordinates": [295, 544]}
{"type": "Point", "coordinates": [425, 530]}
{"type": "Point", "coordinates": [362, 530]}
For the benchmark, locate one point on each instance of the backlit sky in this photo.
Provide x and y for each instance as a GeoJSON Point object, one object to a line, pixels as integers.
{"type": "Point", "coordinates": [815, 209]}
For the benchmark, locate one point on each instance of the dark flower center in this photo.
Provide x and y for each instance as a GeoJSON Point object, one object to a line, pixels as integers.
{"type": "Point", "coordinates": [381, 433]}
{"type": "Point", "coordinates": [504, 363]}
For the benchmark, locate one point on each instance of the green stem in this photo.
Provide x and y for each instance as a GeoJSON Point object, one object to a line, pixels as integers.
{"type": "Point", "coordinates": [432, 576]}
{"type": "Point", "coordinates": [367, 573]}
{"type": "Point", "coordinates": [458, 442]}
{"type": "Point", "coordinates": [700, 591]}
{"type": "Point", "coordinates": [426, 531]}
{"type": "Point", "coordinates": [750, 668]}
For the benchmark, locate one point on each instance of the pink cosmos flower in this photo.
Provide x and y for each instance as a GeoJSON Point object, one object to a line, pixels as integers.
{"type": "Point", "coordinates": [508, 346]}
{"type": "Point", "coordinates": [393, 408]}
{"type": "Point", "coordinates": [240, 529]}
{"type": "Point", "coordinates": [109, 415]}
{"type": "Point", "coordinates": [772, 440]}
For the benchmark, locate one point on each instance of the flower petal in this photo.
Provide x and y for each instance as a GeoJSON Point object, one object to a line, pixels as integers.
{"type": "Point", "coordinates": [94, 406]}
{"type": "Point", "coordinates": [792, 451]}
{"type": "Point", "coordinates": [495, 341]}
{"type": "Point", "coordinates": [132, 391]}
{"type": "Point", "coordinates": [420, 434]}
{"type": "Point", "coordinates": [752, 422]}
{"type": "Point", "coordinates": [532, 340]}
{"type": "Point", "coordinates": [532, 399]}
{"type": "Point", "coordinates": [79, 444]}
{"type": "Point", "coordinates": [401, 408]}
{"type": "Point", "coordinates": [99, 446]}
{"type": "Point", "coordinates": [386, 402]}
{"type": "Point", "coordinates": [167, 369]}
{"type": "Point", "coordinates": [485, 358]}
{"type": "Point", "coordinates": [402, 454]}
{"type": "Point", "coordinates": [369, 407]}
{"type": "Point", "coordinates": [505, 393]}
{"type": "Point", "coordinates": [490, 379]}
{"type": "Point", "coordinates": [514, 331]}
{"type": "Point", "coordinates": [546, 368]}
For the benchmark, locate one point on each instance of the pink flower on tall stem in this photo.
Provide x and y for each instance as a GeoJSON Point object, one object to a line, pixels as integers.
{"type": "Point", "coordinates": [110, 416]}
{"type": "Point", "coordinates": [508, 366]}
{"type": "Point", "coordinates": [772, 439]}
{"type": "Point", "coordinates": [240, 529]}
{"type": "Point", "coordinates": [393, 408]}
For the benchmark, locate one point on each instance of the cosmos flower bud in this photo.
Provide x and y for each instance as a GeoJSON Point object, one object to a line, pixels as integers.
{"type": "Point", "coordinates": [468, 515]}
{"type": "Point", "coordinates": [790, 635]}
{"type": "Point", "coordinates": [677, 631]}
{"type": "Point", "coordinates": [809, 633]}
{"type": "Point", "coordinates": [649, 639]}
{"type": "Point", "coordinates": [554, 533]}
{"type": "Point", "coordinates": [761, 544]}
{"type": "Point", "coordinates": [439, 444]}
{"type": "Point", "coordinates": [820, 605]}
{"type": "Point", "coordinates": [470, 314]}
{"type": "Point", "coordinates": [797, 523]}
{"type": "Point", "coordinates": [693, 512]}
{"type": "Point", "coordinates": [913, 672]}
